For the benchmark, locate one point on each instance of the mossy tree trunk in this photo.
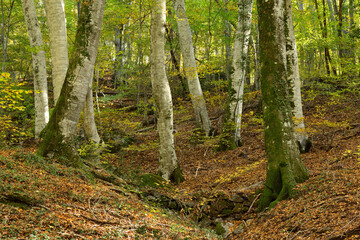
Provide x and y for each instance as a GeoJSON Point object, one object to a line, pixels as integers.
{"type": "Point", "coordinates": [58, 136]}
{"type": "Point", "coordinates": [285, 167]}
{"type": "Point", "coordinates": [168, 165]}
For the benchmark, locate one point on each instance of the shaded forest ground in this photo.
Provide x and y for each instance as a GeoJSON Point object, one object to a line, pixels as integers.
{"type": "Point", "coordinates": [42, 199]}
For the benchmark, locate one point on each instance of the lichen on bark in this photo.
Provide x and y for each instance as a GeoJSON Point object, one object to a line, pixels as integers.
{"type": "Point", "coordinates": [58, 136]}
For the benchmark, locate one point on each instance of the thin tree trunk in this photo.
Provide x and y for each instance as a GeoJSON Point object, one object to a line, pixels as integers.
{"type": "Point", "coordinates": [332, 15]}
{"type": "Point", "coordinates": [241, 46]}
{"type": "Point", "coordinates": [119, 53]}
{"type": "Point", "coordinates": [140, 57]}
{"type": "Point", "coordinates": [227, 35]}
{"type": "Point", "coordinates": [187, 49]}
{"type": "Point", "coordinates": [55, 14]}
{"type": "Point", "coordinates": [323, 27]}
{"type": "Point", "coordinates": [294, 80]}
{"type": "Point", "coordinates": [175, 62]}
{"type": "Point", "coordinates": [168, 165]}
{"type": "Point", "coordinates": [351, 14]}
{"type": "Point", "coordinates": [285, 167]}
{"type": "Point", "coordinates": [58, 136]}
{"type": "Point", "coordinates": [256, 61]}
{"type": "Point", "coordinates": [39, 66]}
{"type": "Point", "coordinates": [5, 32]}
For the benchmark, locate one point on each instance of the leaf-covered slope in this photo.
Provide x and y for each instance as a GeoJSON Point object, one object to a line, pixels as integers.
{"type": "Point", "coordinates": [41, 199]}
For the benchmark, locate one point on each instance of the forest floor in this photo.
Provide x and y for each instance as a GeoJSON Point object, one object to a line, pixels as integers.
{"type": "Point", "coordinates": [42, 199]}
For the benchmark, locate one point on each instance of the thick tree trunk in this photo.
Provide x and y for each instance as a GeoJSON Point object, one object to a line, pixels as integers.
{"type": "Point", "coordinates": [55, 15]}
{"type": "Point", "coordinates": [168, 166]}
{"type": "Point", "coordinates": [285, 167]}
{"type": "Point", "coordinates": [58, 136]}
{"type": "Point", "coordinates": [39, 66]}
{"type": "Point", "coordinates": [294, 80]}
{"type": "Point", "coordinates": [241, 46]}
{"type": "Point", "coordinates": [187, 49]}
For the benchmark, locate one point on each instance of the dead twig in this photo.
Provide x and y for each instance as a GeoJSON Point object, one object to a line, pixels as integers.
{"type": "Point", "coordinates": [252, 204]}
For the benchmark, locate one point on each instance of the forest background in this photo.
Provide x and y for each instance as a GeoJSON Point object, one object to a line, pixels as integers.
{"type": "Point", "coordinates": [327, 37]}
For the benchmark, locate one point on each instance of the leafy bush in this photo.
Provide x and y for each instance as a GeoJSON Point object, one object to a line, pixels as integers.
{"type": "Point", "coordinates": [14, 116]}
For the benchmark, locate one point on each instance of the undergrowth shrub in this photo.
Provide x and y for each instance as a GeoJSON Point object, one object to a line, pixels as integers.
{"type": "Point", "coordinates": [16, 111]}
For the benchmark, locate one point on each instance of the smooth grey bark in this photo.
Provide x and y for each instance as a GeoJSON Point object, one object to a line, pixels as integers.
{"type": "Point", "coordinates": [39, 66]}
{"type": "Point", "coordinates": [90, 128]}
{"type": "Point", "coordinates": [58, 136]}
{"type": "Point", "coordinates": [187, 49]}
{"type": "Point", "coordinates": [168, 165]}
{"type": "Point", "coordinates": [227, 36]}
{"type": "Point", "coordinates": [55, 15]}
{"type": "Point", "coordinates": [284, 168]}
{"type": "Point", "coordinates": [256, 60]}
{"type": "Point", "coordinates": [293, 75]}
{"type": "Point", "coordinates": [240, 53]}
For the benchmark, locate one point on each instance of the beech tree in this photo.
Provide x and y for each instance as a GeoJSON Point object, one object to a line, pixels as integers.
{"type": "Point", "coordinates": [58, 136]}
{"type": "Point", "coordinates": [168, 165]}
{"type": "Point", "coordinates": [284, 168]}
{"type": "Point", "coordinates": [187, 49]}
{"type": "Point", "coordinates": [56, 22]}
{"type": "Point", "coordinates": [39, 66]}
{"type": "Point", "coordinates": [294, 81]}
{"type": "Point", "coordinates": [240, 53]}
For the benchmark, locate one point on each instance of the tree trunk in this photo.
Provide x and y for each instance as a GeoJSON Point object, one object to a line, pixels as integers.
{"type": "Point", "coordinates": [256, 61]}
{"type": "Point", "coordinates": [285, 167]}
{"type": "Point", "coordinates": [58, 136]}
{"type": "Point", "coordinates": [351, 15]}
{"type": "Point", "coordinates": [187, 49]}
{"type": "Point", "coordinates": [175, 62]}
{"type": "Point", "coordinates": [168, 166]}
{"type": "Point", "coordinates": [39, 66]}
{"type": "Point", "coordinates": [241, 46]}
{"type": "Point", "coordinates": [55, 15]}
{"type": "Point", "coordinates": [323, 28]}
{"type": "Point", "coordinates": [5, 29]}
{"type": "Point", "coordinates": [227, 39]}
{"type": "Point", "coordinates": [294, 80]}
{"type": "Point", "coordinates": [90, 128]}
{"type": "Point", "coordinates": [119, 52]}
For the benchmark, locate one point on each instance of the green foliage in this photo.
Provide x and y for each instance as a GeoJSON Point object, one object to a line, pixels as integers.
{"type": "Point", "coordinates": [89, 149]}
{"type": "Point", "coordinates": [226, 139]}
{"type": "Point", "coordinates": [14, 120]}
{"type": "Point", "coordinates": [197, 137]}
